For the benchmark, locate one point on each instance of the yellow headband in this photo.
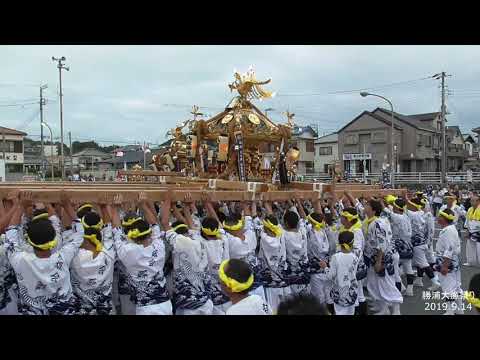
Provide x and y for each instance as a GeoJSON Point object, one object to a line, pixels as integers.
{"type": "Point", "coordinates": [84, 207]}
{"type": "Point", "coordinates": [450, 197]}
{"type": "Point", "coordinates": [356, 226]}
{"type": "Point", "coordinates": [346, 246]}
{"type": "Point", "coordinates": [96, 226]}
{"type": "Point", "coordinates": [418, 207]}
{"type": "Point", "coordinates": [210, 232]}
{"type": "Point", "coordinates": [473, 214]}
{"type": "Point", "coordinates": [131, 221]}
{"type": "Point", "coordinates": [398, 207]}
{"type": "Point", "coordinates": [93, 239]}
{"type": "Point", "coordinates": [47, 246]}
{"type": "Point", "coordinates": [232, 284]}
{"type": "Point", "coordinates": [470, 297]}
{"type": "Point", "coordinates": [317, 225]}
{"type": "Point", "coordinates": [135, 233]}
{"type": "Point", "coordinates": [179, 226]}
{"type": "Point", "coordinates": [40, 216]}
{"type": "Point", "coordinates": [418, 193]}
{"type": "Point", "coordinates": [390, 199]}
{"type": "Point", "coordinates": [273, 228]}
{"type": "Point", "coordinates": [237, 226]}
{"type": "Point", "coordinates": [446, 216]}
{"type": "Point", "coordinates": [349, 216]}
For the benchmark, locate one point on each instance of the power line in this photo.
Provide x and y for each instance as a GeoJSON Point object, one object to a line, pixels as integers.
{"type": "Point", "coordinates": [358, 90]}
{"type": "Point", "coordinates": [21, 105]}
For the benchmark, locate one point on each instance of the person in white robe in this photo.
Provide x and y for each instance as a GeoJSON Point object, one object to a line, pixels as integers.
{"type": "Point", "coordinates": [472, 246]}
{"type": "Point", "coordinates": [191, 279]}
{"type": "Point", "coordinates": [242, 243]}
{"type": "Point", "coordinates": [92, 267]}
{"type": "Point", "coordinates": [401, 237]}
{"type": "Point", "coordinates": [350, 221]}
{"type": "Point", "coordinates": [448, 250]}
{"type": "Point", "coordinates": [272, 256]}
{"type": "Point", "coordinates": [142, 252]}
{"type": "Point", "coordinates": [43, 276]}
{"type": "Point", "coordinates": [217, 249]}
{"type": "Point", "coordinates": [419, 243]}
{"type": "Point", "coordinates": [318, 246]}
{"type": "Point", "coordinates": [452, 204]}
{"type": "Point", "coordinates": [379, 256]}
{"type": "Point", "coordinates": [342, 271]}
{"type": "Point", "coordinates": [236, 278]}
{"type": "Point", "coordinates": [295, 239]}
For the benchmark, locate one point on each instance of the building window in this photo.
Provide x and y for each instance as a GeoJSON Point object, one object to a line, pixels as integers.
{"type": "Point", "coordinates": [379, 137]}
{"type": "Point", "coordinates": [309, 166]}
{"type": "Point", "coordinates": [17, 147]}
{"type": "Point", "coordinates": [325, 150]}
{"type": "Point", "coordinates": [351, 139]}
{"type": "Point", "coordinates": [310, 146]}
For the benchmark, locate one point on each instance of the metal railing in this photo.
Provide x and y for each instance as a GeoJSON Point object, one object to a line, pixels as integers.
{"type": "Point", "coordinates": [405, 177]}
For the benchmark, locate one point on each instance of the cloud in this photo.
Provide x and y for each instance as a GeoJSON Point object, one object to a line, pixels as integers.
{"type": "Point", "coordinates": [121, 92]}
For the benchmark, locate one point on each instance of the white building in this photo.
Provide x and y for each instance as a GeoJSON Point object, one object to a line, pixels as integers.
{"type": "Point", "coordinates": [303, 138]}
{"type": "Point", "coordinates": [326, 152]}
{"type": "Point", "coordinates": [11, 141]}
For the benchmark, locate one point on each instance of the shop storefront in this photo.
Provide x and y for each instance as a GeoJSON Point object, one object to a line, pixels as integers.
{"type": "Point", "coordinates": [357, 163]}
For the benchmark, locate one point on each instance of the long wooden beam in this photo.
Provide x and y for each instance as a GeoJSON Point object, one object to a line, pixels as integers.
{"type": "Point", "coordinates": [98, 195]}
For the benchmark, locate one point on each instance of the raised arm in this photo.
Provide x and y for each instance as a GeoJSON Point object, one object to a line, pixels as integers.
{"type": "Point", "coordinates": [317, 206]}
{"type": "Point", "coordinates": [268, 207]}
{"type": "Point", "coordinates": [254, 209]}
{"type": "Point", "coordinates": [68, 207]}
{"type": "Point", "coordinates": [178, 215]}
{"type": "Point", "coordinates": [246, 209]}
{"type": "Point", "coordinates": [301, 210]}
{"type": "Point", "coordinates": [167, 203]}
{"type": "Point", "coordinates": [147, 211]}
{"type": "Point", "coordinates": [209, 206]}
{"type": "Point", "coordinates": [186, 211]}
{"type": "Point", "coordinates": [117, 202]}
{"type": "Point", "coordinates": [6, 217]}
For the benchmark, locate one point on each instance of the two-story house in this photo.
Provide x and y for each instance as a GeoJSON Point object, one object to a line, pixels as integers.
{"type": "Point", "coordinates": [326, 152]}
{"type": "Point", "coordinates": [11, 143]}
{"type": "Point", "coordinates": [365, 142]}
{"type": "Point", "coordinates": [456, 153]}
{"type": "Point", "coordinates": [303, 138]}
{"type": "Point", "coordinates": [90, 159]}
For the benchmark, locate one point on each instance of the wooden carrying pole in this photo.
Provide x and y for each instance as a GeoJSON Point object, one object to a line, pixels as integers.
{"type": "Point", "coordinates": [99, 194]}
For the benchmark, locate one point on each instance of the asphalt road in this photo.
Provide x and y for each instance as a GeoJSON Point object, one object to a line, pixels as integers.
{"type": "Point", "coordinates": [416, 305]}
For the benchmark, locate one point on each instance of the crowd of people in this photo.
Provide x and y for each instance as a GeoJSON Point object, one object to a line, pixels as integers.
{"type": "Point", "coordinates": [319, 256]}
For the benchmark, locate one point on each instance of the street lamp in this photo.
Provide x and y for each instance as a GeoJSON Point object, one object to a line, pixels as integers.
{"type": "Point", "coordinates": [51, 146]}
{"type": "Point", "coordinates": [365, 94]}
{"type": "Point", "coordinates": [61, 67]}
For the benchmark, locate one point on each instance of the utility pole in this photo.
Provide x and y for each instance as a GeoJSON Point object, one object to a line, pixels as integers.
{"type": "Point", "coordinates": [61, 67]}
{"type": "Point", "coordinates": [71, 152]}
{"type": "Point", "coordinates": [4, 146]}
{"type": "Point", "coordinates": [441, 76]}
{"type": "Point", "coordinates": [42, 103]}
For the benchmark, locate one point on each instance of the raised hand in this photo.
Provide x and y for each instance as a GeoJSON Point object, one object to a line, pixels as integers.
{"type": "Point", "coordinates": [142, 197]}
{"type": "Point", "coordinates": [187, 198]}
{"type": "Point", "coordinates": [13, 195]}
{"type": "Point", "coordinates": [26, 198]}
{"type": "Point", "coordinates": [117, 199]}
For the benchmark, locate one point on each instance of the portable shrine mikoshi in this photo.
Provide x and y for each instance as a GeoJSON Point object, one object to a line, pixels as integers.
{"type": "Point", "coordinates": [230, 145]}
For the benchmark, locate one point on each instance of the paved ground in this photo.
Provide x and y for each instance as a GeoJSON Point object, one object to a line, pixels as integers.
{"type": "Point", "coordinates": [416, 305]}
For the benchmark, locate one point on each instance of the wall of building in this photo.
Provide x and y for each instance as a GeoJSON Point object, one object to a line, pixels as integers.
{"type": "Point", "coordinates": [371, 136]}
{"type": "Point", "coordinates": [324, 160]}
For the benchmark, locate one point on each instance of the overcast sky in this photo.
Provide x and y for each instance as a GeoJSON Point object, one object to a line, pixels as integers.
{"type": "Point", "coordinates": [125, 94]}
